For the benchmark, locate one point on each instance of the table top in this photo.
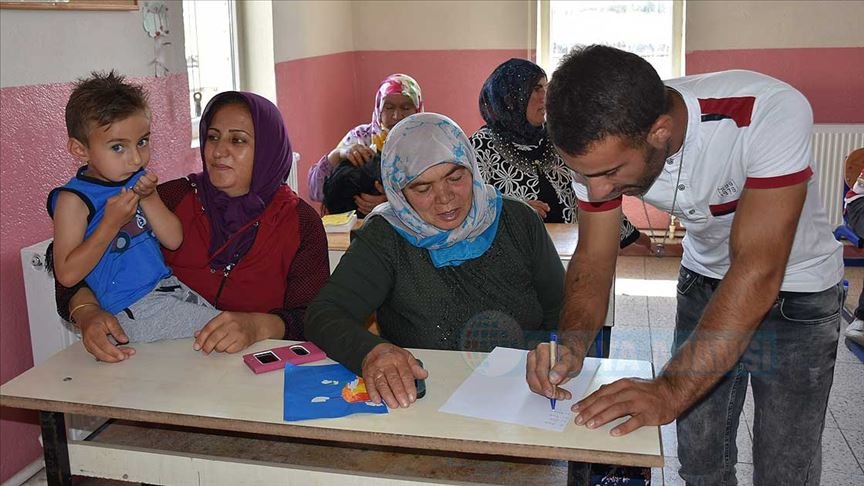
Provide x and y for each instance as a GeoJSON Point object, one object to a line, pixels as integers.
{"type": "Point", "coordinates": [564, 236]}
{"type": "Point", "coordinates": [167, 382]}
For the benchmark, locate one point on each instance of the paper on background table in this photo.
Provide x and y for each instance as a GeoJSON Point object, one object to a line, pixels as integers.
{"type": "Point", "coordinates": [497, 391]}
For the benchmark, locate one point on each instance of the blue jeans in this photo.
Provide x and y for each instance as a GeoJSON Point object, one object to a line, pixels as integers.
{"type": "Point", "coordinates": [790, 361]}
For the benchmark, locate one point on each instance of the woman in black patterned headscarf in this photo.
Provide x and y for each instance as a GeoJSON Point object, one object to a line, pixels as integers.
{"type": "Point", "coordinates": [514, 151]}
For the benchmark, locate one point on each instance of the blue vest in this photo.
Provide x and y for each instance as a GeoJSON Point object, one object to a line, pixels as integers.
{"type": "Point", "coordinates": [132, 264]}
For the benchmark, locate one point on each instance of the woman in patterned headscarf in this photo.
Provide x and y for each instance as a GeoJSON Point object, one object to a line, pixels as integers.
{"type": "Point", "coordinates": [515, 153]}
{"type": "Point", "coordinates": [447, 263]}
{"type": "Point", "coordinates": [398, 96]}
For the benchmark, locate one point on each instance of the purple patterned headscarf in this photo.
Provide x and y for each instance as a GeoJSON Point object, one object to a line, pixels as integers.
{"type": "Point", "coordinates": [231, 217]}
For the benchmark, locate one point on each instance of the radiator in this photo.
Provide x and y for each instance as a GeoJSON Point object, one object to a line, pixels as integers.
{"type": "Point", "coordinates": [292, 174]}
{"type": "Point", "coordinates": [831, 145]}
{"type": "Point", "coordinates": [48, 333]}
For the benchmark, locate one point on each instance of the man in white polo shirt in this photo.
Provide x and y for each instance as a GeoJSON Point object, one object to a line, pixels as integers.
{"type": "Point", "coordinates": [759, 293]}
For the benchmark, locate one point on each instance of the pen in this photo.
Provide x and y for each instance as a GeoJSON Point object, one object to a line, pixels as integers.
{"type": "Point", "coordinates": [553, 360]}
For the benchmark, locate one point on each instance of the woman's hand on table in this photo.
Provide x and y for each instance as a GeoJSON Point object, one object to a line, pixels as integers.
{"type": "Point", "coordinates": [96, 325]}
{"type": "Point", "coordinates": [540, 207]}
{"type": "Point", "coordinates": [230, 332]}
{"type": "Point", "coordinates": [389, 372]}
{"type": "Point", "coordinates": [358, 154]}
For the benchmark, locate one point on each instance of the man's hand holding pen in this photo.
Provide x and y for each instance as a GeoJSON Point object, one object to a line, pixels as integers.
{"type": "Point", "coordinates": [543, 379]}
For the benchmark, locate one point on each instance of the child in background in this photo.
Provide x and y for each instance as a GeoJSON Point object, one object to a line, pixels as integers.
{"type": "Point", "coordinates": [854, 203]}
{"type": "Point", "coordinates": [109, 220]}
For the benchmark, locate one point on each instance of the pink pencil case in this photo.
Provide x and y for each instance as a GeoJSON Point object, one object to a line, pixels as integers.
{"type": "Point", "coordinates": [275, 359]}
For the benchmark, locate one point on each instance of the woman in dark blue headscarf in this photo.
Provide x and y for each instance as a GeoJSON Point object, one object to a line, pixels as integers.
{"type": "Point", "coordinates": [514, 151]}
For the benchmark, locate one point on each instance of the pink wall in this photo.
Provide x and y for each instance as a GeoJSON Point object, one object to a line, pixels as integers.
{"type": "Point", "coordinates": [831, 78]}
{"type": "Point", "coordinates": [316, 96]}
{"type": "Point", "coordinates": [33, 160]}
{"type": "Point", "coordinates": [323, 97]}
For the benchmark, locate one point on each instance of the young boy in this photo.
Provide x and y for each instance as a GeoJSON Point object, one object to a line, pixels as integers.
{"type": "Point", "coordinates": [109, 220]}
{"type": "Point", "coordinates": [854, 202]}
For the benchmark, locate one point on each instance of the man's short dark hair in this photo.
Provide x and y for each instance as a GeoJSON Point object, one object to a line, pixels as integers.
{"type": "Point", "coordinates": [100, 100]}
{"type": "Point", "coordinates": [599, 91]}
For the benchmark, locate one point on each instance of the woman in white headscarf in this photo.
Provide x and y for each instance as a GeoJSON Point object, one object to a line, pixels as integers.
{"type": "Point", "coordinates": [447, 263]}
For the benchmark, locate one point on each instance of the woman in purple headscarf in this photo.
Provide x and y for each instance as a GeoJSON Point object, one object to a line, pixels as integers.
{"type": "Point", "coordinates": [251, 247]}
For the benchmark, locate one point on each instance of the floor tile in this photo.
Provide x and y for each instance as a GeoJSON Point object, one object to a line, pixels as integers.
{"type": "Point", "coordinates": [630, 267]}
{"type": "Point", "coordinates": [661, 311]}
{"type": "Point", "coordinates": [662, 268]}
{"type": "Point", "coordinates": [844, 355]}
{"type": "Point", "coordinates": [670, 472]}
{"type": "Point", "coordinates": [744, 443]}
{"type": "Point", "coordinates": [849, 379]}
{"type": "Point", "coordinates": [656, 476]}
{"type": "Point", "coordinates": [855, 439]}
{"type": "Point", "coordinates": [630, 343]}
{"type": "Point", "coordinates": [835, 479]}
{"type": "Point", "coordinates": [837, 456]}
{"type": "Point", "coordinates": [631, 310]}
{"type": "Point", "coordinates": [662, 338]}
{"type": "Point", "coordinates": [659, 359]}
{"type": "Point", "coordinates": [744, 473]}
{"type": "Point", "coordinates": [830, 423]}
{"type": "Point", "coordinates": [847, 410]}
{"type": "Point", "coordinates": [669, 433]}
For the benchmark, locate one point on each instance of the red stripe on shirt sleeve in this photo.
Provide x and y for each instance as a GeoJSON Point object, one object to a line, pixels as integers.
{"type": "Point", "coordinates": [598, 207]}
{"type": "Point", "coordinates": [738, 108]}
{"type": "Point", "coordinates": [725, 208]}
{"type": "Point", "coordinates": [778, 181]}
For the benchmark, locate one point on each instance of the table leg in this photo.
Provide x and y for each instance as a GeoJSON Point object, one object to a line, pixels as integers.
{"type": "Point", "coordinates": [578, 473]}
{"type": "Point", "coordinates": [600, 345]}
{"type": "Point", "coordinates": [607, 339]}
{"type": "Point", "coordinates": [55, 448]}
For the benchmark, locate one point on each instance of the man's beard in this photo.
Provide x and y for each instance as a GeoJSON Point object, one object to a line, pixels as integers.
{"type": "Point", "coordinates": [655, 158]}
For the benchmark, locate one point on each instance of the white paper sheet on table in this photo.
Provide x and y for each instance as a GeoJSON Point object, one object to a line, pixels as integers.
{"type": "Point", "coordinates": [497, 390]}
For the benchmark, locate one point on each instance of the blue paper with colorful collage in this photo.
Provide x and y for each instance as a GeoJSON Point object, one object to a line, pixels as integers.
{"type": "Point", "coordinates": [313, 392]}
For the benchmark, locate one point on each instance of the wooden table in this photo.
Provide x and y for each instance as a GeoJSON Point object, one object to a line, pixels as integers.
{"type": "Point", "coordinates": [168, 383]}
{"type": "Point", "coordinates": [564, 236]}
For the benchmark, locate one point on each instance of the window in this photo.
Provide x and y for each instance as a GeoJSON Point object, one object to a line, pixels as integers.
{"type": "Point", "coordinates": [651, 29]}
{"type": "Point", "coordinates": [211, 53]}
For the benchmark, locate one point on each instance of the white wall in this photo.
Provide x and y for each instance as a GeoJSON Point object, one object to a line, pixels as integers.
{"type": "Point", "coordinates": [776, 24]}
{"type": "Point", "coordinates": [304, 28]}
{"type": "Point", "coordinates": [444, 24]}
{"type": "Point", "coordinates": [32, 42]}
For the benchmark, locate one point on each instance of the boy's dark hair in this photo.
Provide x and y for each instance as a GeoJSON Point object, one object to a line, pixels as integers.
{"type": "Point", "coordinates": [599, 91]}
{"type": "Point", "coordinates": [100, 100]}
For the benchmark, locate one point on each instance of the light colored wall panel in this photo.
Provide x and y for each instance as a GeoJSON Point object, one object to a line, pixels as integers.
{"type": "Point", "coordinates": [303, 28]}
{"type": "Point", "coordinates": [776, 24]}
{"type": "Point", "coordinates": [448, 24]}
{"type": "Point", "coordinates": [56, 46]}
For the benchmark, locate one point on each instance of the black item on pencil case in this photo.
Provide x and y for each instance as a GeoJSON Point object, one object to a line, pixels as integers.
{"type": "Point", "coordinates": [347, 181]}
{"type": "Point", "coordinates": [420, 385]}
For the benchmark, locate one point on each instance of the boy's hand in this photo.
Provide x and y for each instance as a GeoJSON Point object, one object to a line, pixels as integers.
{"type": "Point", "coordinates": [146, 185]}
{"type": "Point", "coordinates": [120, 209]}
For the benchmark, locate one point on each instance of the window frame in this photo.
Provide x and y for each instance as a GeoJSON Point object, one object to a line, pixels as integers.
{"type": "Point", "coordinates": [544, 57]}
{"type": "Point", "coordinates": [233, 24]}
